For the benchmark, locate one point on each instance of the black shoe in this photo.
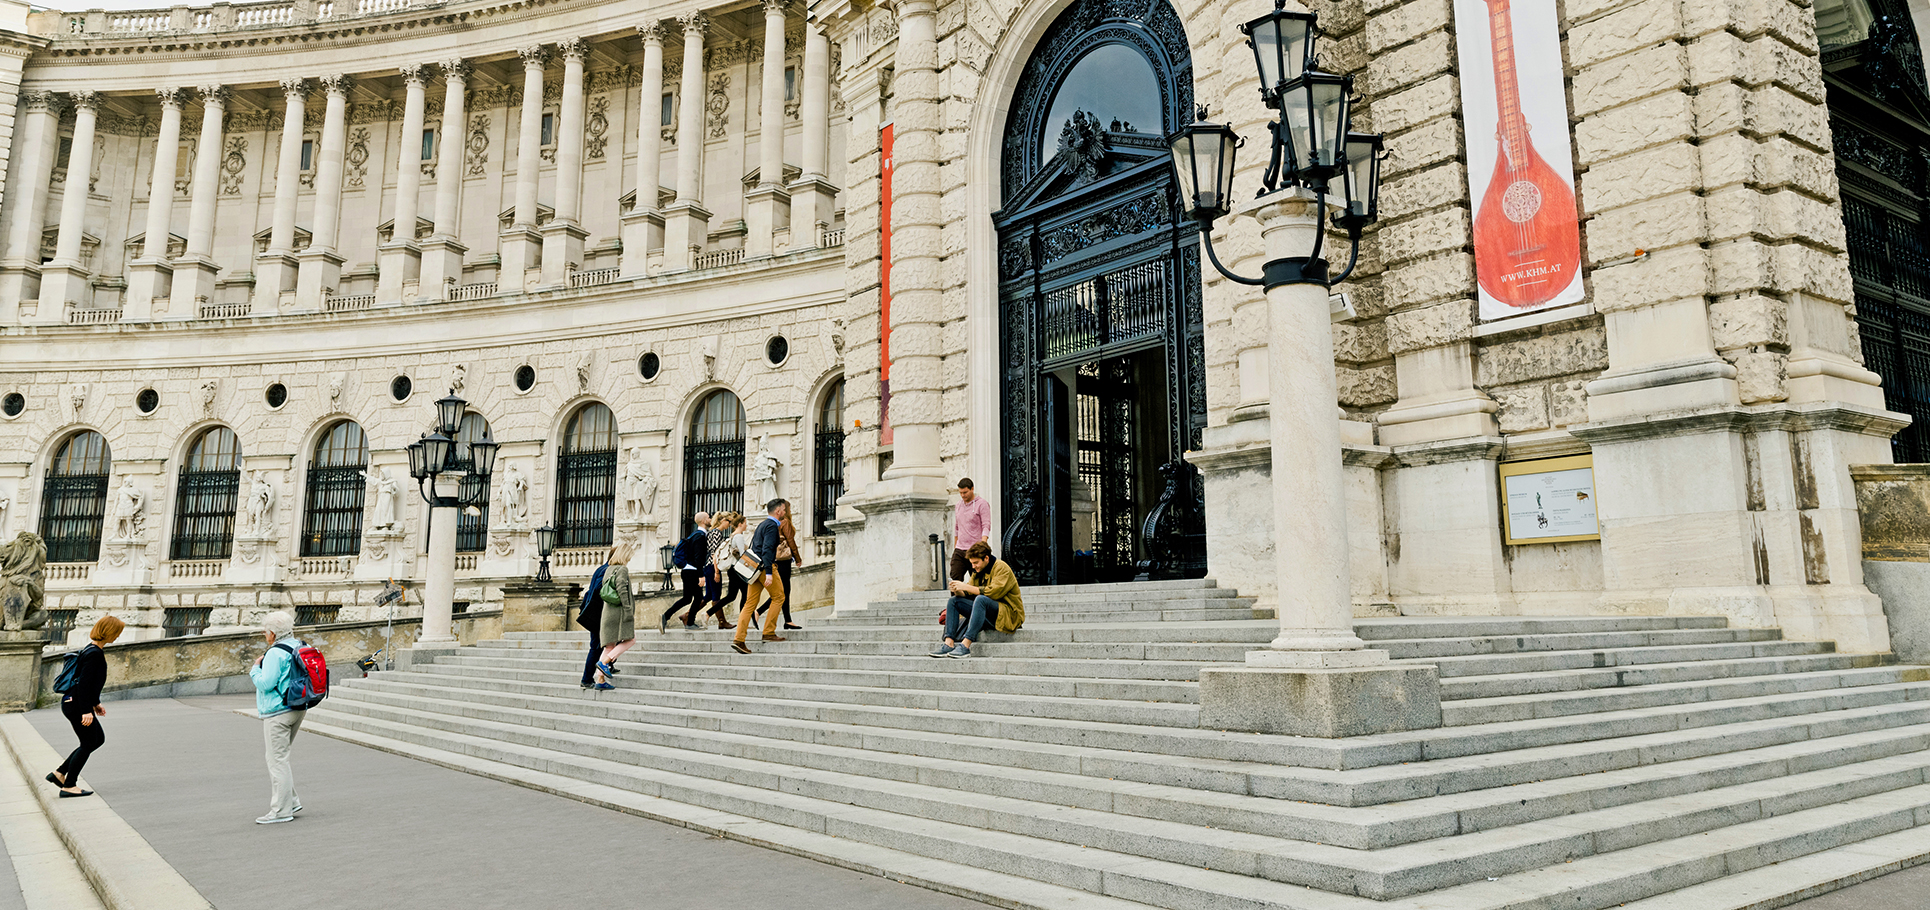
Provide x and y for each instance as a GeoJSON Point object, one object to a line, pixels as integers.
{"type": "Point", "coordinates": [53, 777]}
{"type": "Point", "coordinates": [66, 794]}
{"type": "Point", "coordinates": [663, 622]}
{"type": "Point", "coordinates": [792, 625]}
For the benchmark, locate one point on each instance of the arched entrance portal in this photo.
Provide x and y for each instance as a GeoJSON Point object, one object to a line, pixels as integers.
{"type": "Point", "coordinates": [1101, 381]}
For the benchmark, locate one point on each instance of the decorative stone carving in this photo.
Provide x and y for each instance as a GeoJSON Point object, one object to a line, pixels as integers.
{"type": "Point", "coordinates": [515, 498]}
{"type": "Point", "coordinates": [358, 155]}
{"type": "Point", "coordinates": [386, 490]}
{"type": "Point", "coordinates": [583, 369]}
{"type": "Point", "coordinates": [336, 83]}
{"type": "Point", "coordinates": [597, 130]}
{"type": "Point", "coordinates": [764, 472]}
{"type": "Point", "coordinates": [414, 73]}
{"type": "Point", "coordinates": [23, 583]}
{"type": "Point", "coordinates": [717, 105]}
{"type": "Point", "coordinates": [454, 68]}
{"type": "Point", "coordinates": [477, 148]}
{"type": "Point", "coordinates": [458, 377]}
{"type": "Point", "coordinates": [234, 160]}
{"type": "Point", "coordinates": [77, 397]}
{"type": "Point", "coordinates": [208, 392]}
{"type": "Point", "coordinates": [335, 383]}
{"type": "Point", "coordinates": [639, 486]}
{"type": "Point", "coordinates": [535, 55]}
{"type": "Point", "coordinates": [261, 506]}
{"type": "Point", "coordinates": [129, 511]}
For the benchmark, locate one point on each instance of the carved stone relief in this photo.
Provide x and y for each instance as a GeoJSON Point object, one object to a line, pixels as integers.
{"type": "Point", "coordinates": [233, 161]}
{"type": "Point", "coordinates": [717, 106]}
{"type": "Point", "coordinates": [358, 156]}
{"type": "Point", "coordinates": [477, 148]}
{"type": "Point", "coordinates": [598, 129]}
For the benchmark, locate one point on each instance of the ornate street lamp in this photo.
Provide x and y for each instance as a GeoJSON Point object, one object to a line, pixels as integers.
{"type": "Point", "coordinates": [435, 465]}
{"type": "Point", "coordinates": [545, 545]}
{"type": "Point", "coordinates": [1282, 44]}
{"type": "Point", "coordinates": [665, 554]}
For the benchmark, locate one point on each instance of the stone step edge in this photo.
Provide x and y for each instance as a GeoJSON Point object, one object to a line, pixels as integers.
{"type": "Point", "coordinates": [1387, 865]}
{"type": "Point", "coordinates": [995, 888]}
{"type": "Point", "coordinates": [1799, 879]}
{"type": "Point", "coordinates": [1518, 891]}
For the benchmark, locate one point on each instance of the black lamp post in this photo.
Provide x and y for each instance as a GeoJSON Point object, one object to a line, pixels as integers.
{"type": "Point", "coordinates": [545, 545]}
{"type": "Point", "coordinates": [665, 554]}
{"type": "Point", "coordinates": [1309, 146]}
{"type": "Point", "coordinates": [434, 460]}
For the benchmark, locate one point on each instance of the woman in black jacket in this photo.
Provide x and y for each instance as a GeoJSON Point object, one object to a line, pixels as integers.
{"type": "Point", "coordinates": [82, 705]}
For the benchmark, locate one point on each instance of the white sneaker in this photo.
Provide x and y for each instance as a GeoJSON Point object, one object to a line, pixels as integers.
{"type": "Point", "coordinates": [298, 808]}
{"type": "Point", "coordinates": [274, 819]}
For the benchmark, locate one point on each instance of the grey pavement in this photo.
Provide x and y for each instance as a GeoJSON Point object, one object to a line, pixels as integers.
{"type": "Point", "coordinates": [1908, 889]}
{"type": "Point", "coordinates": [382, 830]}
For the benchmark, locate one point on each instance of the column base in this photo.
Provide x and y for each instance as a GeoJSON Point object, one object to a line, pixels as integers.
{"type": "Point", "coordinates": [686, 228]}
{"type": "Point", "coordinates": [62, 285]}
{"type": "Point", "coordinates": [642, 232]}
{"type": "Point", "coordinates": [19, 280]}
{"type": "Point", "coordinates": [519, 249]}
{"type": "Point", "coordinates": [766, 210]}
{"type": "Point", "coordinates": [894, 533]}
{"type": "Point", "coordinates": [424, 653]}
{"type": "Point", "coordinates": [149, 282]}
{"type": "Point", "coordinates": [441, 267]}
{"type": "Point", "coordinates": [813, 204]}
{"type": "Point", "coordinates": [1660, 388]}
{"type": "Point", "coordinates": [194, 284]}
{"type": "Point", "coordinates": [274, 278]}
{"type": "Point", "coordinates": [562, 251]}
{"type": "Point", "coordinates": [319, 274]}
{"type": "Point", "coordinates": [19, 670]}
{"type": "Point", "coordinates": [1323, 703]}
{"type": "Point", "coordinates": [401, 262]}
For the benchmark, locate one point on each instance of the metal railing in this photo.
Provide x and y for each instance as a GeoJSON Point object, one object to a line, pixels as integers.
{"type": "Point", "coordinates": [473, 291]}
{"type": "Point", "coordinates": [92, 315]}
{"type": "Point", "coordinates": [200, 568]}
{"type": "Point", "coordinates": [224, 310]}
{"type": "Point", "coordinates": [717, 259]}
{"type": "Point", "coordinates": [346, 303]}
{"type": "Point", "coordinates": [831, 237]}
{"type": "Point", "coordinates": [586, 278]}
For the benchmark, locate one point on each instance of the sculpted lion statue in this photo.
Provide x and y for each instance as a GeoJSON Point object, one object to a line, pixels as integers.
{"type": "Point", "coordinates": [23, 583]}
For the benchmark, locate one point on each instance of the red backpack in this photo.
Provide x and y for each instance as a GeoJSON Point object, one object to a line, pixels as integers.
{"type": "Point", "coordinates": [307, 678]}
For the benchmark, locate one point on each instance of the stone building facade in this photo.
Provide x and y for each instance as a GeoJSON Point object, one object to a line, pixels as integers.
{"type": "Point", "coordinates": [1713, 370]}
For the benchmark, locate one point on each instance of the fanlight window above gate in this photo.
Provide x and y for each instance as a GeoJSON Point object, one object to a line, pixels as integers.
{"type": "Point", "coordinates": [1113, 84]}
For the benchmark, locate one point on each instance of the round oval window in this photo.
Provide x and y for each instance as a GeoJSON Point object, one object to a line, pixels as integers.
{"type": "Point", "coordinates": [649, 365]}
{"type": "Point", "coordinates": [13, 404]}
{"type": "Point", "coordinates": [400, 387]}
{"type": "Point", "coordinates": [777, 349]}
{"type": "Point", "coordinates": [277, 395]}
{"type": "Point", "coordinates": [525, 378]}
{"type": "Point", "coordinates": [147, 401]}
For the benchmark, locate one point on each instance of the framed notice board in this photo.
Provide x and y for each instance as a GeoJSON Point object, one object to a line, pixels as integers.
{"type": "Point", "coordinates": [1549, 500]}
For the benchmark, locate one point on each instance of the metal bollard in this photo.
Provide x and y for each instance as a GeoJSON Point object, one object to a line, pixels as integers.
{"type": "Point", "coordinates": [937, 563]}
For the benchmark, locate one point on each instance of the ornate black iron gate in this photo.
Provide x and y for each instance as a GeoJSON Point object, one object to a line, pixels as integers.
{"type": "Point", "coordinates": [1102, 368]}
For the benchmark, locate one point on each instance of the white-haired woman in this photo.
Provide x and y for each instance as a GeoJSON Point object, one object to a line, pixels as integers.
{"type": "Point", "coordinates": [618, 630]}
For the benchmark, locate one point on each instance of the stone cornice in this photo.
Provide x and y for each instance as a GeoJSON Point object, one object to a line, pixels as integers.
{"type": "Point", "coordinates": [15, 44]}
{"type": "Point", "coordinates": [1805, 417]}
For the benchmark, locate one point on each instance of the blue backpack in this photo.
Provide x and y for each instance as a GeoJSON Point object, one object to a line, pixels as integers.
{"type": "Point", "coordinates": [69, 673]}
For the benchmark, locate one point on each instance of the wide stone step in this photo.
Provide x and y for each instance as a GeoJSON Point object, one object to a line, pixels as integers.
{"type": "Point", "coordinates": [1593, 701]}
{"type": "Point", "coordinates": [1054, 775]}
{"type": "Point", "coordinates": [1607, 658]}
{"type": "Point", "coordinates": [963, 833]}
{"type": "Point", "coordinates": [1175, 611]}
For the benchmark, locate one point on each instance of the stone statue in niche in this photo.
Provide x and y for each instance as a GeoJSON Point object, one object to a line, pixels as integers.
{"type": "Point", "coordinates": [261, 505]}
{"type": "Point", "coordinates": [515, 497]}
{"type": "Point", "coordinates": [457, 377]}
{"type": "Point", "coordinates": [130, 509]}
{"type": "Point", "coordinates": [764, 472]}
{"type": "Point", "coordinates": [208, 390]}
{"type": "Point", "coordinates": [23, 583]}
{"type": "Point", "coordinates": [77, 396]}
{"type": "Point", "coordinates": [335, 386]}
{"type": "Point", "coordinates": [639, 486]}
{"type": "Point", "coordinates": [386, 490]}
{"type": "Point", "coordinates": [5, 503]}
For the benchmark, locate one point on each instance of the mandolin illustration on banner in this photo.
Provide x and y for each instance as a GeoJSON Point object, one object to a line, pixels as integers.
{"type": "Point", "coordinates": [1527, 242]}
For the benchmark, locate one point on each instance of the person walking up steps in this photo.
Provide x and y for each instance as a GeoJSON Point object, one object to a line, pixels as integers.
{"type": "Point", "coordinates": [787, 555]}
{"type": "Point", "coordinates": [991, 596]}
{"type": "Point", "coordinates": [81, 705]}
{"type": "Point", "coordinates": [691, 557]}
{"type": "Point", "coordinates": [763, 554]}
{"type": "Point", "coordinates": [619, 624]}
{"type": "Point", "coordinates": [729, 587]}
{"type": "Point", "coordinates": [271, 674]}
{"type": "Point", "coordinates": [591, 618]}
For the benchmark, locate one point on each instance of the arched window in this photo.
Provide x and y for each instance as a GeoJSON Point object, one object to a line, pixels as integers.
{"type": "Point", "coordinates": [714, 457]}
{"type": "Point", "coordinates": [829, 458]}
{"type": "Point", "coordinates": [74, 498]}
{"type": "Point", "coordinates": [332, 513]}
{"type": "Point", "coordinates": [206, 497]}
{"type": "Point", "coordinates": [586, 479]}
{"type": "Point", "coordinates": [472, 531]}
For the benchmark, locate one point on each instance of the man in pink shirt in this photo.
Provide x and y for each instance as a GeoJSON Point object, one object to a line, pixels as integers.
{"type": "Point", "coordinates": [971, 523]}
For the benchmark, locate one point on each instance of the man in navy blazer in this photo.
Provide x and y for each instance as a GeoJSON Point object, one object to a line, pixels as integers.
{"type": "Point", "coordinates": [764, 552]}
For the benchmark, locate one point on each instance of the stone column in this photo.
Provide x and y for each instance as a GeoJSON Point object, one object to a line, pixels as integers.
{"type": "Point", "coordinates": [195, 271]}
{"type": "Point", "coordinates": [916, 410]}
{"type": "Point", "coordinates": [813, 198]}
{"type": "Point", "coordinates": [643, 224]}
{"type": "Point", "coordinates": [686, 224]}
{"type": "Point", "coordinates": [768, 207]}
{"type": "Point", "coordinates": [402, 255]}
{"type": "Point", "coordinates": [321, 265]}
{"type": "Point", "coordinates": [64, 280]}
{"type": "Point", "coordinates": [33, 169]}
{"type": "Point", "coordinates": [1317, 678]}
{"type": "Point", "coordinates": [275, 269]}
{"type": "Point", "coordinates": [442, 253]}
{"type": "Point", "coordinates": [563, 237]}
{"type": "Point", "coordinates": [147, 277]}
{"type": "Point", "coordinates": [520, 244]}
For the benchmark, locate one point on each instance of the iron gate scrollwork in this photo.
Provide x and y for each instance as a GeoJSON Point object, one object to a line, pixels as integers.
{"type": "Point", "coordinates": [1102, 382]}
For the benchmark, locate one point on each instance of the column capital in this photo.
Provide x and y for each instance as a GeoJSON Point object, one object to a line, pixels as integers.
{"type": "Point", "coordinates": [535, 56]}
{"type": "Point", "coordinates": [455, 69]}
{"type": "Point", "coordinates": [41, 100]}
{"type": "Point", "coordinates": [414, 74]}
{"type": "Point", "coordinates": [294, 88]}
{"type": "Point", "coordinates": [776, 6]}
{"type": "Point", "coordinates": [85, 101]}
{"type": "Point", "coordinates": [652, 32]}
{"type": "Point", "coordinates": [694, 22]}
{"type": "Point", "coordinates": [215, 95]}
{"type": "Point", "coordinates": [171, 97]}
{"type": "Point", "coordinates": [336, 84]}
{"type": "Point", "coordinates": [572, 47]}
{"type": "Point", "coordinates": [909, 8]}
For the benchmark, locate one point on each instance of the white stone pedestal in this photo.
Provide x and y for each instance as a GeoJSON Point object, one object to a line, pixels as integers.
{"type": "Point", "coordinates": [386, 554]}
{"type": "Point", "coordinates": [441, 266]}
{"type": "Point", "coordinates": [256, 560]}
{"type": "Point", "coordinates": [767, 209]}
{"type": "Point", "coordinates": [562, 251]}
{"type": "Point", "coordinates": [193, 285]}
{"type": "Point", "coordinates": [509, 553]}
{"type": "Point", "coordinates": [319, 271]}
{"type": "Point", "coordinates": [401, 262]}
{"type": "Point", "coordinates": [274, 276]}
{"type": "Point", "coordinates": [519, 248]}
{"type": "Point", "coordinates": [887, 550]}
{"type": "Point", "coordinates": [122, 562]}
{"type": "Point", "coordinates": [62, 284]}
{"type": "Point", "coordinates": [19, 670]}
{"type": "Point", "coordinates": [686, 225]}
{"type": "Point", "coordinates": [642, 232]}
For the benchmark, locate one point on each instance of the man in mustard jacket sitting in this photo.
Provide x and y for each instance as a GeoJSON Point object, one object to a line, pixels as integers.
{"type": "Point", "coordinates": [990, 595]}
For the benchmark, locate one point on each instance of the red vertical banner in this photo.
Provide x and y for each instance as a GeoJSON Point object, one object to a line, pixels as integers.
{"type": "Point", "coordinates": [884, 290]}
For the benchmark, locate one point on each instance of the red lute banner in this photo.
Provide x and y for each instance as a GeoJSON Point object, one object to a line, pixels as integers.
{"type": "Point", "coordinates": [1521, 176]}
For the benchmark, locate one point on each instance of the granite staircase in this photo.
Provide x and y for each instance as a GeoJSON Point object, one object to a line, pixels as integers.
{"type": "Point", "coordinates": [1648, 762]}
